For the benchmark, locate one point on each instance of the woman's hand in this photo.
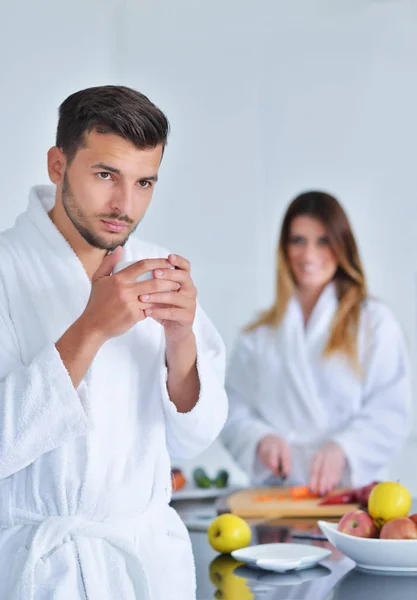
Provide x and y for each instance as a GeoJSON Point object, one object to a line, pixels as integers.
{"type": "Point", "coordinates": [327, 468]}
{"type": "Point", "coordinates": [274, 452]}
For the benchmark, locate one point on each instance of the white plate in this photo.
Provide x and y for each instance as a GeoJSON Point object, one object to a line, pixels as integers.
{"type": "Point", "coordinates": [374, 554]}
{"type": "Point", "coordinates": [195, 493]}
{"type": "Point", "coordinates": [281, 557]}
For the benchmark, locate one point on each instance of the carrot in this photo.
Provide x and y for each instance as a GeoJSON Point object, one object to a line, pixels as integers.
{"type": "Point", "coordinates": [296, 494]}
{"type": "Point", "coordinates": [301, 492]}
{"type": "Point", "coordinates": [263, 498]}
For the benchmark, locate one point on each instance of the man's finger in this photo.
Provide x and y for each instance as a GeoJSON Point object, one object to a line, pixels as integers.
{"type": "Point", "coordinates": [180, 262]}
{"type": "Point", "coordinates": [170, 298]}
{"type": "Point", "coordinates": [172, 313]}
{"type": "Point", "coordinates": [132, 272]}
{"type": "Point", "coordinates": [183, 277]}
{"type": "Point", "coordinates": [153, 286]}
{"type": "Point", "coordinates": [108, 264]}
{"type": "Point", "coordinates": [172, 275]}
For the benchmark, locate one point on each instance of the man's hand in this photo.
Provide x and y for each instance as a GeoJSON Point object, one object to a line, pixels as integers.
{"type": "Point", "coordinates": [327, 468]}
{"type": "Point", "coordinates": [175, 310]}
{"type": "Point", "coordinates": [174, 307]}
{"type": "Point", "coordinates": [275, 453]}
{"type": "Point", "coordinates": [114, 306]}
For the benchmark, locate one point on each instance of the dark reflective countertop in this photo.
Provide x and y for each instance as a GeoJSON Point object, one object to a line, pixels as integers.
{"type": "Point", "coordinates": [336, 578]}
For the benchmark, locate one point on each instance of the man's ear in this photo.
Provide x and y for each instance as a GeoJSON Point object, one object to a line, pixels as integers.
{"type": "Point", "coordinates": [57, 163]}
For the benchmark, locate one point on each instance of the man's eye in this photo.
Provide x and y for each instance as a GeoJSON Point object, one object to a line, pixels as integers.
{"type": "Point", "coordinates": [145, 184]}
{"type": "Point", "coordinates": [104, 175]}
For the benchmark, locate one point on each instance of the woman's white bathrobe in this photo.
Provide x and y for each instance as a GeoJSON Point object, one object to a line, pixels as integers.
{"type": "Point", "coordinates": [85, 473]}
{"type": "Point", "coordinates": [278, 382]}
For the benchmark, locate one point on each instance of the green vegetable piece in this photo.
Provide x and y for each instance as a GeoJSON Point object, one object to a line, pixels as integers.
{"type": "Point", "coordinates": [202, 480]}
{"type": "Point", "coordinates": [221, 479]}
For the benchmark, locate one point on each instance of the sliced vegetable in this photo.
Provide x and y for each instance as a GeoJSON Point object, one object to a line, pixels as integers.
{"type": "Point", "coordinates": [302, 492]}
{"type": "Point", "coordinates": [348, 497]}
{"type": "Point", "coordinates": [264, 498]}
{"type": "Point", "coordinates": [351, 496]}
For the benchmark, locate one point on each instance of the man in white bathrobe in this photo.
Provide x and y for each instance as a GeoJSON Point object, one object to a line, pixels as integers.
{"type": "Point", "coordinates": [103, 377]}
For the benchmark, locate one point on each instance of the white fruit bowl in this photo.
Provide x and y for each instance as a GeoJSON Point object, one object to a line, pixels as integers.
{"type": "Point", "coordinates": [374, 554]}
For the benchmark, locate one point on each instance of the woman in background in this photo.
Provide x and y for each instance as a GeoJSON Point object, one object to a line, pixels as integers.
{"type": "Point", "coordinates": [319, 385]}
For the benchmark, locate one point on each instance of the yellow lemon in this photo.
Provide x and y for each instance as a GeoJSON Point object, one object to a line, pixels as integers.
{"type": "Point", "coordinates": [229, 532]}
{"type": "Point", "coordinates": [388, 500]}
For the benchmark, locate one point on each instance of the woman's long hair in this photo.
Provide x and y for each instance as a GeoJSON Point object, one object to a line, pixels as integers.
{"type": "Point", "coordinates": [349, 278]}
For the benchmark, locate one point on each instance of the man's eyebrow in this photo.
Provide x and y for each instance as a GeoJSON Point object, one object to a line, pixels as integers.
{"type": "Point", "coordinates": [110, 169]}
{"type": "Point", "coordinates": [106, 168]}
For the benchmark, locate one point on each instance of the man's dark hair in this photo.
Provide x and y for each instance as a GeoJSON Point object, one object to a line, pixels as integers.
{"type": "Point", "coordinates": [110, 109]}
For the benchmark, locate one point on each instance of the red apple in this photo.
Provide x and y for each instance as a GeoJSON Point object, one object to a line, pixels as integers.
{"type": "Point", "coordinates": [402, 528]}
{"type": "Point", "coordinates": [413, 518]}
{"type": "Point", "coordinates": [359, 524]}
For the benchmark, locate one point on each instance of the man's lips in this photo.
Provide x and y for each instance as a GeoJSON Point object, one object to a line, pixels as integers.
{"type": "Point", "coordinates": [116, 226]}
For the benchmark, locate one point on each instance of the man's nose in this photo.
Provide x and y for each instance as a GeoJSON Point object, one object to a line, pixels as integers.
{"type": "Point", "coordinates": [122, 200]}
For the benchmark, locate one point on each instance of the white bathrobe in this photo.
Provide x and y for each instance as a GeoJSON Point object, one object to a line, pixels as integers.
{"type": "Point", "coordinates": [85, 473]}
{"type": "Point", "coordinates": [278, 382]}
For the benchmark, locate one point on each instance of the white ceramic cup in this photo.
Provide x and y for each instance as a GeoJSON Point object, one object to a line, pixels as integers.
{"type": "Point", "coordinates": [124, 264]}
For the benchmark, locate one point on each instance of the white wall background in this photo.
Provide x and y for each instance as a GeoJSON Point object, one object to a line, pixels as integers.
{"type": "Point", "coordinates": [266, 98]}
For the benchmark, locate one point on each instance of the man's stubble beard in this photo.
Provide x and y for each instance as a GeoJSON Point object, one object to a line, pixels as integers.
{"type": "Point", "coordinates": [80, 221]}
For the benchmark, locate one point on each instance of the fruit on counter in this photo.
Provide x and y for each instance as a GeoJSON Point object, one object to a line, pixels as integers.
{"type": "Point", "coordinates": [387, 501]}
{"type": "Point", "coordinates": [229, 585]}
{"type": "Point", "coordinates": [228, 532]}
{"type": "Point", "coordinates": [221, 479]}
{"type": "Point", "coordinates": [359, 524]}
{"type": "Point", "coordinates": [402, 528]}
{"type": "Point", "coordinates": [413, 518]}
{"type": "Point", "coordinates": [178, 479]}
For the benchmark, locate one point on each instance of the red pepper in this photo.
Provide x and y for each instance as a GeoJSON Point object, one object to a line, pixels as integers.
{"type": "Point", "coordinates": [351, 496]}
{"type": "Point", "coordinates": [362, 495]}
{"type": "Point", "coordinates": [346, 497]}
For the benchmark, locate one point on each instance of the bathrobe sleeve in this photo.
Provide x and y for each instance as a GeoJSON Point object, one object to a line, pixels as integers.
{"type": "Point", "coordinates": [39, 408]}
{"type": "Point", "coordinates": [190, 433]}
{"type": "Point", "coordinates": [377, 433]}
{"type": "Point", "coordinates": [245, 427]}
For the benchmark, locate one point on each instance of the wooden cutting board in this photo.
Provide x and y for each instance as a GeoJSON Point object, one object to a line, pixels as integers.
{"type": "Point", "coordinates": [245, 504]}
